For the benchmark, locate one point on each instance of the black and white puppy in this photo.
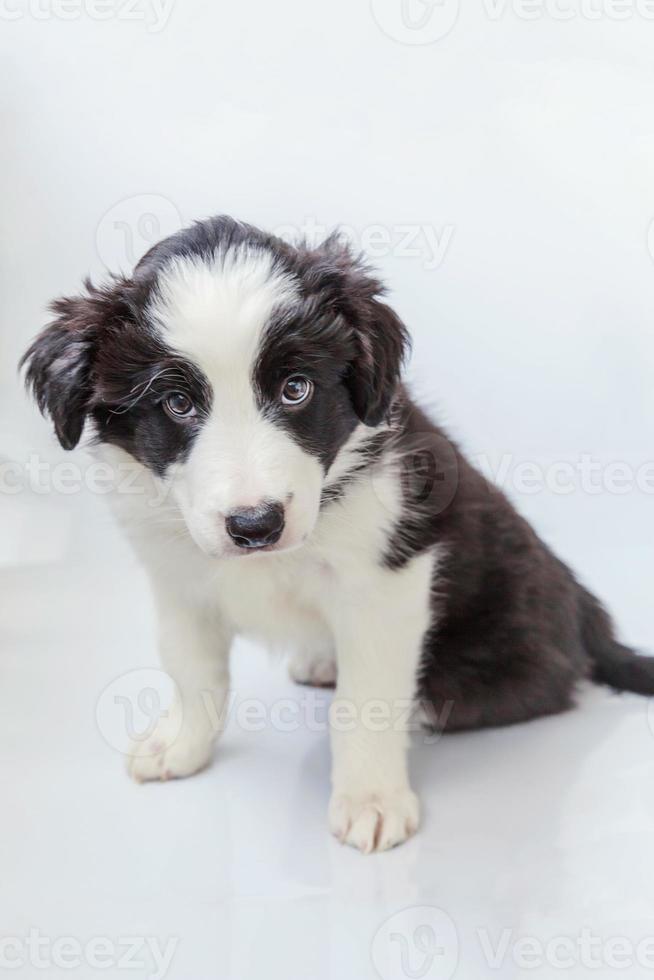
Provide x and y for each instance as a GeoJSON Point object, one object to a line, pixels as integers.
{"type": "Point", "coordinates": [310, 504]}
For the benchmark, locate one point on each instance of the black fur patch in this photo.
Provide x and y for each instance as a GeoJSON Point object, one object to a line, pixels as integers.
{"type": "Point", "coordinates": [100, 359]}
{"type": "Point", "coordinates": [318, 346]}
{"type": "Point", "coordinates": [513, 632]}
{"type": "Point", "coordinates": [127, 405]}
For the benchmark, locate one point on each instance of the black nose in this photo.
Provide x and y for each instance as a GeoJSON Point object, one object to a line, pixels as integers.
{"type": "Point", "coordinates": [255, 527]}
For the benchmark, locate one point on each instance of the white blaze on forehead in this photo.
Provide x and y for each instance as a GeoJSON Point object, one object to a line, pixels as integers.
{"type": "Point", "coordinates": [214, 309]}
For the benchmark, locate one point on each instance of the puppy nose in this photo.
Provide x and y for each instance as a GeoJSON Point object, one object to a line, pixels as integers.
{"type": "Point", "coordinates": [255, 527]}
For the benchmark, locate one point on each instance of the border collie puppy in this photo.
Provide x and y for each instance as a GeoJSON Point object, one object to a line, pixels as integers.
{"type": "Point", "coordinates": [254, 386]}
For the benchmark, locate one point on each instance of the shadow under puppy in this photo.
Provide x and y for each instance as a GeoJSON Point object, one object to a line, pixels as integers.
{"type": "Point", "coordinates": [253, 389]}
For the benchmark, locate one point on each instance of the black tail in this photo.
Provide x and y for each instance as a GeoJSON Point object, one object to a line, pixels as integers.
{"type": "Point", "coordinates": [613, 664]}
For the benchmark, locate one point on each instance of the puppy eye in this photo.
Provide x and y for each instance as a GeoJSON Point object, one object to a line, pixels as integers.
{"type": "Point", "coordinates": [178, 405]}
{"type": "Point", "coordinates": [296, 390]}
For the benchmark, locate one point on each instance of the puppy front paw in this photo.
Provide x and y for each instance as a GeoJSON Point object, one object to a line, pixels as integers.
{"type": "Point", "coordinates": [374, 821]}
{"type": "Point", "coordinates": [171, 751]}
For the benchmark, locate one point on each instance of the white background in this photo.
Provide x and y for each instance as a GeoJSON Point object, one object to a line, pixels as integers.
{"type": "Point", "coordinates": [523, 141]}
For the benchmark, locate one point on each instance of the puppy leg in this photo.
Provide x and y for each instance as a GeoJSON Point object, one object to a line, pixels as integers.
{"type": "Point", "coordinates": [194, 650]}
{"type": "Point", "coordinates": [313, 660]}
{"type": "Point", "coordinates": [316, 667]}
{"type": "Point", "coordinates": [379, 643]}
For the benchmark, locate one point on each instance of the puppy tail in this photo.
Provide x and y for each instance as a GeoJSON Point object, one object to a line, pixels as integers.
{"type": "Point", "coordinates": [613, 664]}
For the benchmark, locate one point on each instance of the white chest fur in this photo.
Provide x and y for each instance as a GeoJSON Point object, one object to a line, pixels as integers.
{"type": "Point", "coordinates": [286, 599]}
{"type": "Point", "coordinates": [333, 599]}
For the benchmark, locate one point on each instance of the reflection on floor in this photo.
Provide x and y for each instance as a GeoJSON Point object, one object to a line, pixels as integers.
{"type": "Point", "coordinates": [536, 852]}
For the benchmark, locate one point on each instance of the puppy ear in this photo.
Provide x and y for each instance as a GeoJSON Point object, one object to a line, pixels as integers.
{"type": "Point", "coordinates": [59, 362]}
{"type": "Point", "coordinates": [374, 374]}
{"type": "Point", "coordinates": [379, 337]}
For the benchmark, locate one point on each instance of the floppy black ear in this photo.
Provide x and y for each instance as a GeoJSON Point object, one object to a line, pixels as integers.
{"type": "Point", "coordinates": [374, 374]}
{"type": "Point", "coordinates": [59, 362]}
{"type": "Point", "coordinates": [380, 339]}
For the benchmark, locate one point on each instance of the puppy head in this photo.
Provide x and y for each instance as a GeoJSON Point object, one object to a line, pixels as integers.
{"type": "Point", "coordinates": [232, 365]}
